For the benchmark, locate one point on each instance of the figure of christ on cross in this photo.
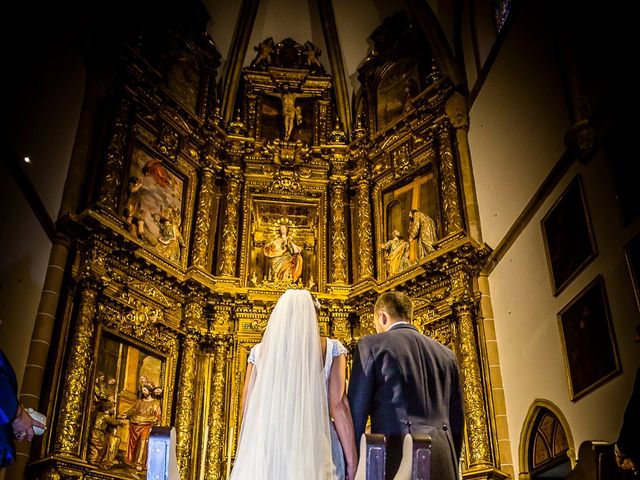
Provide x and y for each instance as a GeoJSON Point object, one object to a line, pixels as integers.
{"type": "Point", "coordinates": [290, 112]}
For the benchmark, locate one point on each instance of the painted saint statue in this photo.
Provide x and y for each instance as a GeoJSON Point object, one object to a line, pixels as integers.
{"type": "Point", "coordinates": [285, 258]}
{"type": "Point", "coordinates": [143, 414]}
{"type": "Point", "coordinates": [422, 230]}
{"type": "Point", "coordinates": [396, 253]}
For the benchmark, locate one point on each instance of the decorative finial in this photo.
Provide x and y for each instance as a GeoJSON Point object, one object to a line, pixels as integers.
{"type": "Point", "coordinates": [237, 126]}
{"type": "Point", "coordinates": [360, 131]}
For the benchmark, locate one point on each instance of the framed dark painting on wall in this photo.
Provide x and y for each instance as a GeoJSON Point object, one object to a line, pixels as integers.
{"type": "Point", "coordinates": [590, 350]}
{"type": "Point", "coordinates": [632, 254]}
{"type": "Point", "coordinates": [568, 237]}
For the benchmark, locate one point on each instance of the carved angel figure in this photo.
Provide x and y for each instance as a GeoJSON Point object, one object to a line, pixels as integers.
{"type": "Point", "coordinates": [312, 53]}
{"type": "Point", "coordinates": [264, 50]}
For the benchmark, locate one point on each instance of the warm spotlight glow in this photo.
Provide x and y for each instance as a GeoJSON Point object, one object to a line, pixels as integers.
{"type": "Point", "coordinates": [27, 160]}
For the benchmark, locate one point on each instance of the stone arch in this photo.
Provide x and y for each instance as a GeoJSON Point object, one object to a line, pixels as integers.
{"type": "Point", "coordinates": [538, 408]}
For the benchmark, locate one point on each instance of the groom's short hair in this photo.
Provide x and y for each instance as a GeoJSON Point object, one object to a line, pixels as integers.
{"type": "Point", "coordinates": [397, 304]}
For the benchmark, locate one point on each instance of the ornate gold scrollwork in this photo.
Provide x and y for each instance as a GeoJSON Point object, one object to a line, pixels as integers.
{"type": "Point", "coordinates": [193, 317]}
{"type": "Point", "coordinates": [77, 377]}
{"type": "Point", "coordinates": [185, 405]}
{"type": "Point", "coordinates": [230, 231]}
{"type": "Point", "coordinates": [338, 230]}
{"type": "Point", "coordinates": [217, 414]}
{"type": "Point", "coordinates": [203, 218]}
{"type": "Point", "coordinates": [340, 327]}
{"type": "Point", "coordinates": [114, 165]}
{"type": "Point", "coordinates": [448, 182]}
{"type": "Point", "coordinates": [476, 419]}
{"type": "Point", "coordinates": [365, 250]}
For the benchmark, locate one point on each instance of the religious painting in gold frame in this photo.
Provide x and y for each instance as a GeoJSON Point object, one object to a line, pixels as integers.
{"type": "Point", "coordinates": [398, 83]}
{"type": "Point", "coordinates": [156, 199]}
{"type": "Point", "coordinates": [568, 236]}
{"type": "Point", "coordinates": [417, 193]}
{"type": "Point", "coordinates": [130, 393]}
{"type": "Point", "coordinates": [283, 244]}
{"type": "Point", "coordinates": [271, 120]}
{"type": "Point", "coordinates": [588, 340]}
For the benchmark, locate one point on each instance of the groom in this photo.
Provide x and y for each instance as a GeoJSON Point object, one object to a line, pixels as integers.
{"type": "Point", "coordinates": [407, 382]}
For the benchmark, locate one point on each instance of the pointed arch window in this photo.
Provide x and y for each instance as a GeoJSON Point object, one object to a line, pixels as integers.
{"type": "Point", "coordinates": [548, 446]}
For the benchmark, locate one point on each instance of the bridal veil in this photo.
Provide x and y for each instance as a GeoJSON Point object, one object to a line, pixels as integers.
{"type": "Point", "coordinates": [285, 429]}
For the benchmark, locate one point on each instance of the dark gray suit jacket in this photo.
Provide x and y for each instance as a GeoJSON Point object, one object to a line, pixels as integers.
{"type": "Point", "coordinates": [409, 382]}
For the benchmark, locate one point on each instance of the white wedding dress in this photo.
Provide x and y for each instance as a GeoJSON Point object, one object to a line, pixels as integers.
{"type": "Point", "coordinates": [286, 431]}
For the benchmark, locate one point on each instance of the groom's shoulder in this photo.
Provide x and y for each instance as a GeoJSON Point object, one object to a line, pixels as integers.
{"type": "Point", "coordinates": [369, 340]}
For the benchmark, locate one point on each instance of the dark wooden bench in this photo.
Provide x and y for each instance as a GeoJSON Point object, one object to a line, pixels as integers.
{"type": "Point", "coordinates": [372, 457]}
{"type": "Point", "coordinates": [596, 461]}
{"type": "Point", "coordinates": [416, 458]}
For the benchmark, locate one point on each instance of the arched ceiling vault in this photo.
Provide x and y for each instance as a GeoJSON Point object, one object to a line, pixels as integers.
{"type": "Point", "coordinates": [340, 29]}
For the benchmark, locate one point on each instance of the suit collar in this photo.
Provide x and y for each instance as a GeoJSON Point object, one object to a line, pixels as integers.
{"type": "Point", "coordinates": [400, 326]}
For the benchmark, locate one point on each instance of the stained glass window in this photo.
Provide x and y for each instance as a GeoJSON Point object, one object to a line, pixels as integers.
{"type": "Point", "coordinates": [501, 11]}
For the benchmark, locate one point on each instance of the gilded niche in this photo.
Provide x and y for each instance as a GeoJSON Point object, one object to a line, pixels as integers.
{"type": "Point", "coordinates": [408, 212]}
{"type": "Point", "coordinates": [288, 95]}
{"type": "Point", "coordinates": [283, 241]}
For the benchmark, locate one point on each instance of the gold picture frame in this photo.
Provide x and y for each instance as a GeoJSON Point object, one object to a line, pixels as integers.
{"type": "Point", "coordinates": [588, 339]}
{"type": "Point", "coordinates": [125, 371]}
{"type": "Point", "coordinates": [568, 236]}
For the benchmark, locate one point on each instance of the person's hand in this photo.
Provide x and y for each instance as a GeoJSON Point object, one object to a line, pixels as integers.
{"type": "Point", "coordinates": [23, 425]}
{"type": "Point", "coordinates": [624, 462]}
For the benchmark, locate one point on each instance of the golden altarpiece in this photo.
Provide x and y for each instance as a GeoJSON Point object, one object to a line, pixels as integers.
{"type": "Point", "coordinates": [194, 227]}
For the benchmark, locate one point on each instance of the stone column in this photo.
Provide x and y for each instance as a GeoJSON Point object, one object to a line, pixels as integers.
{"type": "Point", "coordinates": [448, 182]}
{"type": "Point", "coordinates": [477, 441]}
{"type": "Point", "coordinates": [203, 218]}
{"type": "Point", "coordinates": [217, 427]}
{"type": "Point", "coordinates": [185, 404]}
{"type": "Point", "coordinates": [40, 344]}
{"type": "Point", "coordinates": [365, 251]}
{"type": "Point", "coordinates": [338, 230]}
{"type": "Point", "coordinates": [230, 230]}
{"type": "Point", "coordinates": [78, 368]}
{"type": "Point", "coordinates": [458, 113]}
{"type": "Point", "coordinates": [114, 165]}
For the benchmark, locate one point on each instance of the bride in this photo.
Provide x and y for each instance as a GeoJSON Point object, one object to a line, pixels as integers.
{"type": "Point", "coordinates": [296, 418]}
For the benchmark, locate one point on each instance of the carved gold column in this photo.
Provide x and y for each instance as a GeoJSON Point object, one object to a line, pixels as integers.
{"type": "Point", "coordinates": [185, 402]}
{"type": "Point", "coordinates": [338, 228]}
{"type": "Point", "coordinates": [340, 327]}
{"type": "Point", "coordinates": [217, 426]}
{"type": "Point", "coordinates": [77, 371]}
{"type": "Point", "coordinates": [448, 182]}
{"type": "Point", "coordinates": [230, 230]}
{"type": "Point", "coordinates": [114, 164]}
{"type": "Point", "coordinates": [363, 201]}
{"type": "Point", "coordinates": [458, 113]}
{"type": "Point", "coordinates": [203, 217]}
{"type": "Point", "coordinates": [477, 433]}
